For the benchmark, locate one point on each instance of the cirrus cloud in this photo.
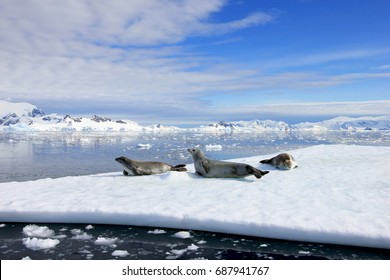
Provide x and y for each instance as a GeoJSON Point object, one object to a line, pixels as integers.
{"type": "Point", "coordinates": [117, 22]}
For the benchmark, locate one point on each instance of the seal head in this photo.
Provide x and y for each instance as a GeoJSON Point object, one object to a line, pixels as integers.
{"type": "Point", "coordinates": [222, 169]}
{"type": "Point", "coordinates": [138, 168]}
{"type": "Point", "coordinates": [282, 161]}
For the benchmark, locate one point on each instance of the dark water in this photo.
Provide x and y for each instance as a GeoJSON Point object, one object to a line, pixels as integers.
{"type": "Point", "coordinates": [31, 156]}
{"type": "Point", "coordinates": [140, 243]}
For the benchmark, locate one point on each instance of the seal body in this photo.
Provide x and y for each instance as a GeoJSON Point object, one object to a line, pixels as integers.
{"type": "Point", "coordinates": [222, 169]}
{"type": "Point", "coordinates": [282, 161]}
{"type": "Point", "coordinates": [138, 168]}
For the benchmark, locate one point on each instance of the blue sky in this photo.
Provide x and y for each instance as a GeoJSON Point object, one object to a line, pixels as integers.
{"type": "Point", "coordinates": [190, 62]}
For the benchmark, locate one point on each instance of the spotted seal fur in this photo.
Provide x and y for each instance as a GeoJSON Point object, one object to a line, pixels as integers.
{"type": "Point", "coordinates": [139, 168]}
{"type": "Point", "coordinates": [222, 169]}
{"type": "Point", "coordinates": [282, 161]}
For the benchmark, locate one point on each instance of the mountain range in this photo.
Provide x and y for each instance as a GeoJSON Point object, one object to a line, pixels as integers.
{"type": "Point", "coordinates": [27, 117]}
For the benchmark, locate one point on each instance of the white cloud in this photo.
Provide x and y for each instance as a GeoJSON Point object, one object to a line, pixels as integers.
{"type": "Point", "coordinates": [322, 58]}
{"type": "Point", "coordinates": [251, 20]}
{"type": "Point", "coordinates": [289, 112]}
{"type": "Point", "coordinates": [126, 55]}
{"type": "Point", "coordinates": [337, 79]}
{"type": "Point", "coordinates": [382, 67]}
{"type": "Point", "coordinates": [28, 23]}
{"type": "Point", "coordinates": [53, 50]}
{"type": "Point", "coordinates": [341, 55]}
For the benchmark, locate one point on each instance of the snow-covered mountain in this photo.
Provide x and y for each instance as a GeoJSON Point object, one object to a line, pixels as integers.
{"type": "Point", "coordinates": [336, 124]}
{"type": "Point", "coordinates": [13, 113]}
{"type": "Point", "coordinates": [27, 117]}
{"type": "Point", "coordinates": [19, 109]}
{"type": "Point", "coordinates": [245, 126]}
{"type": "Point", "coordinates": [346, 123]}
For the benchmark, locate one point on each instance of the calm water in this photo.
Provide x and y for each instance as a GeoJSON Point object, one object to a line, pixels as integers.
{"type": "Point", "coordinates": [31, 156]}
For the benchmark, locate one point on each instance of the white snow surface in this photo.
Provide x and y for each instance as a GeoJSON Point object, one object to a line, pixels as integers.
{"type": "Point", "coordinates": [340, 194]}
{"type": "Point", "coordinates": [20, 109]}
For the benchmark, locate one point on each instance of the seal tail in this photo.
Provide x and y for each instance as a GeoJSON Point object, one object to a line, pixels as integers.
{"type": "Point", "coordinates": [256, 172]}
{"type": "Point", "coordinates": [179, 168]}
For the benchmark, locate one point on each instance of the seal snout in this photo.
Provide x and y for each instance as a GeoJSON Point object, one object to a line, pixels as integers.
{"type": "Point", "coordinates": [120, 159]}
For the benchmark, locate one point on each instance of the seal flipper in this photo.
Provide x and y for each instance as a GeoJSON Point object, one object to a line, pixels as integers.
{"type": "Point", "coordinates": [205, 165]}
{"type": "Point", "coordinates": [179, 167]}
{"type": "Point", "coordinates": [266, 161]}
{"type": "Point", "coordinates": [256, 172]}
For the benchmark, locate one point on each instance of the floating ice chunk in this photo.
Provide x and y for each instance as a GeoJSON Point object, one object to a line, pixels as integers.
{"type": "Point", "coordinates": [192, 247]}
{"type": "Point", "coordinates": [60, 236]}
{"type": "Point", "coordinates": [213, 147]}
{"type": "Point", "coordinates": [78, 234]}
{"type": "Point", "coordinates": [103, 241]}
{"type": "Point", "coordinates": [88, 227]}
{"type": "Point", "coordinates": [40, 244]}
{"type": "Point", "coordinates": [182, 234]}
{"type": "Point", "coordinates": [120, 253]}
{"type": "Point", "coordinates": [2, 225]}
{"type": "Point", "coordinates": [144, 146]}
{"type": "Point", "coordinates": [84, 251]}
{"type": "Point", "coordinates": [37, 231]}
{"type": "Point", "coordinates": [176, 253]}
{"type": "Point", "coordinates": [76, 231]}
{"type": "Point", "coordinates": [157, 231]}
{"type": "Point", "coordinates": [83, 236]}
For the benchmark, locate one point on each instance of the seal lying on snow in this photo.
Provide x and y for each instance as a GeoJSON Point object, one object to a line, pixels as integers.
{"type": "Point", "coordinates": [222, 169]}
{"type": "Point", "coordinates": [282, 161]}
{"type": "Point", "coordinates": [138, 168]}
